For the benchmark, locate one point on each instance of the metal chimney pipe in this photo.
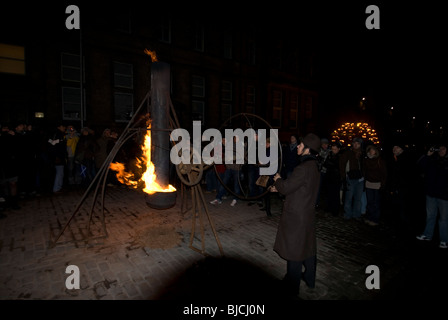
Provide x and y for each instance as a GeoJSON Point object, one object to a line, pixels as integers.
{"type": "Point", "coordinates": [159, 110]}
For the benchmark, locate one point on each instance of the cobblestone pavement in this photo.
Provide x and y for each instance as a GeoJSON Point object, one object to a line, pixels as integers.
{"type": "Point", "coordinates": [146, 254]}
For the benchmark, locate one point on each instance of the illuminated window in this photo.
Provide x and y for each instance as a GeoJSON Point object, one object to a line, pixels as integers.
{"type": "Point", "coordinates": [12, 59]}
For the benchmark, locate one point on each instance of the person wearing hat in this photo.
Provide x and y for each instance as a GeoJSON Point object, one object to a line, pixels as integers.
{"type": "Point", "coordinates": [296, 235]}
{"type": "Point", "coordinates": [351, 175]}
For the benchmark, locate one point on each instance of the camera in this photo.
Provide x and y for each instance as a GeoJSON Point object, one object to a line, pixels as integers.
{"type": "Point", "coordinates": [432, 149]}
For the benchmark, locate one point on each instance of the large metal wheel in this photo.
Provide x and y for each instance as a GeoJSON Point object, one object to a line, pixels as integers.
{"type": "Point", "coordinates": [245, 121]}
{"type": "Point", "coordinates": [189, 173]}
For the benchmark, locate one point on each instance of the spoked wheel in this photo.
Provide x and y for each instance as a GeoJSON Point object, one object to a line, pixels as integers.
{"type": "Point", "coordinates": [246, 121]}
{"type": "Point", "coordinates": [190, 173]}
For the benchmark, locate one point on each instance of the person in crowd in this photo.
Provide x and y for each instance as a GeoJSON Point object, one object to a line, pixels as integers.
{"type": "Point", "coordinates": [25, 152]}
{"type": "Point", "coordinates": [58, 155]}
{"type": "Point", "coordinates": [375, 174]}
{"type": "Point", "coordinates": [267, 197]}
{"type": "Point", "coordinates": [324, 151]}
{"type": "Point", "coordinates": [85, 156]}
{"type": "Point", "coordinates": [351, 175]}
{"type": "Point", "coordinates": [9, 169]}
{"type": "Point", "coordinates": [402, 175]}
{"type": "Point", "coordinates": [101, 149]}
{"type": "Point", "coordinates": [253, 172]}
{"type": "Point", "coordinates": [232, 172]}
{"type": "Point", "coordinates": [72, 138]}
{"type": "Point", "coordinates": [435, 169]}
{"type": "Point", "coordinates": [111, 176]}
{"type": "Point", "coordinates": [333, 179]}
{"type": "Point", "coordinates": [211, 181]}
{"type": "Point", "coordinates": [296, 235]}
{"type": "Point", "coordinates": [290, 157]}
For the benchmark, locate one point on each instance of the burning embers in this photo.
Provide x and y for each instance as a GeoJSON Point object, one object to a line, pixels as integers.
{"type": "Point", "coordinates": [148, 180]}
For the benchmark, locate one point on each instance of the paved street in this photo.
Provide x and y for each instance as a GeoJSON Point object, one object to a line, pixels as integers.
{"type": "Point", "coordinates": [146, 254]}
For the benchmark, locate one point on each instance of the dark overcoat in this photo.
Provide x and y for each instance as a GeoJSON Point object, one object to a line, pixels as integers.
{"type": "Point", "coordinates": [296, 234]}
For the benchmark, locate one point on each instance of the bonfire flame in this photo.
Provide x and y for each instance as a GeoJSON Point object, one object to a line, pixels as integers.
{"type": "Point", "coordinates": [149, 177]}
{"type": "Point", "coordinates": [152, 54]}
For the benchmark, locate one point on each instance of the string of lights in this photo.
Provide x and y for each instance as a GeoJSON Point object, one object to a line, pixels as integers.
{"type": "Point", "coordinates": [349, 130]}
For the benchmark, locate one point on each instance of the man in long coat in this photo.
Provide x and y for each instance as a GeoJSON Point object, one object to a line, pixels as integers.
{"type": "Point", "coordinates": [296, 236]}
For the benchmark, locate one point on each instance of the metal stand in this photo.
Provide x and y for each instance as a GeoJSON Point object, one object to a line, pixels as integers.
{"type": "Point", "coordinates": [190, 176]}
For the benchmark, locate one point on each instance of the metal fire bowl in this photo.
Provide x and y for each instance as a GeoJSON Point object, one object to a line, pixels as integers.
{"type": "Point", "coordinates": [161, 200]}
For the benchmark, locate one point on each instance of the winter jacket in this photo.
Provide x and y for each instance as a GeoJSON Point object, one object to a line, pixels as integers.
{"type": "Point", "coordinates": [296, 235]}
{"type": "Point", "coordinates": [435, 170]}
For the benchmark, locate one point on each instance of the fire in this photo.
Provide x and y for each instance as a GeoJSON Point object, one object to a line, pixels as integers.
{"type": "Point", "coordinates": [148, 178]}
{"type": "Point", "coordinates": [152, 54]}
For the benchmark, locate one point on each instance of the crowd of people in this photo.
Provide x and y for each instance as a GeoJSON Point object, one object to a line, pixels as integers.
{"type": "Point", "coordinates": [367, 183]}
{"type": "Point", "coordinates": [37, 161]}
{"type": "Point", "coordinates": [363, 182]}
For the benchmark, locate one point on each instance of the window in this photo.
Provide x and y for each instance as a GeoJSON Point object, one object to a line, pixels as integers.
{"type": "Point", "coordinates": [70, 67]}
{"type": "Point", "coordinates": [252, 53]}
{"type": "Point", "coordinates": [228, 46]}
{"type": "Point", "coordinates": [123, 106]}
{"type": "Point", "coordinates": [12, 59]}
{"type": "Point", "coordinates": [198, 91]}
{"type": "Point", "coordinates": [165, 30]}
{"type": "Point", "coordinates": [293, 111]}
{"type": "Point", "coordinates": [250, 99]}
{"type": "Point", "coordinates": [308, 107]}
{"type": "Point", "coordinates": [71, 103]}
{"type": "Point", "coordinates": [226, 91]}
{"type": "Point", "coordinates": [122, 21]}
{"type": "Point", "coordinates": [199, 38]}
{"type": "Point", "coordinates": [226, 111]}
{"type": "Point", "coordinates": [198, 87]}
{"type": "Point", "coordinates": [277, 102]}
{"type": "Point", "coordinates": [123, 75]}
{"type": "Point", "coordinates": [197, 110]}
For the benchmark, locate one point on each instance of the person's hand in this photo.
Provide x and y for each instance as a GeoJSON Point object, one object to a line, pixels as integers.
{"type": "Point", "coordinates": [273, 189]}
{"type": "Point", "coordinates": [277, 176]}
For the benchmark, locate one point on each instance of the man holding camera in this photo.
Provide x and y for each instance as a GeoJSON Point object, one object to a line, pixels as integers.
{"type": "Point", "coordinates": [435, 169]}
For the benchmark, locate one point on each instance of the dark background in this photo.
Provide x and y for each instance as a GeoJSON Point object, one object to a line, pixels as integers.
{"type": "Point", "coordinates": [401, 65]}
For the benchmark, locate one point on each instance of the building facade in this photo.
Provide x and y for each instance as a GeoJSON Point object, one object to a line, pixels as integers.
{"type": "Point", "coordinates": [98, 75]}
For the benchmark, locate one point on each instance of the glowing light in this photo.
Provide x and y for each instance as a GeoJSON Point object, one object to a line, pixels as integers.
{"type": "Point", "coordinates": [152, 54]}
{"type": "Point", "coordinates": [347, 131]}
{"type": "Point", "coordinates": [149, 178]}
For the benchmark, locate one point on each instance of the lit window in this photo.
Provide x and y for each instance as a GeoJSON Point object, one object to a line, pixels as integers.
{"type": "Point", "coordinates": [12, 59]}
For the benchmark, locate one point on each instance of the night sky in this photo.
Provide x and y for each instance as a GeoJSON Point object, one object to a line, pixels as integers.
{"type": "Point", "coordinates": [403, 64]}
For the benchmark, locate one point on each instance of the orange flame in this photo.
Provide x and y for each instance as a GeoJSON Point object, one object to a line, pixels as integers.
{"type": "Point", "coordinates": [152, 54]}
{"type": "Point", "coordinates": [149, 177]}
